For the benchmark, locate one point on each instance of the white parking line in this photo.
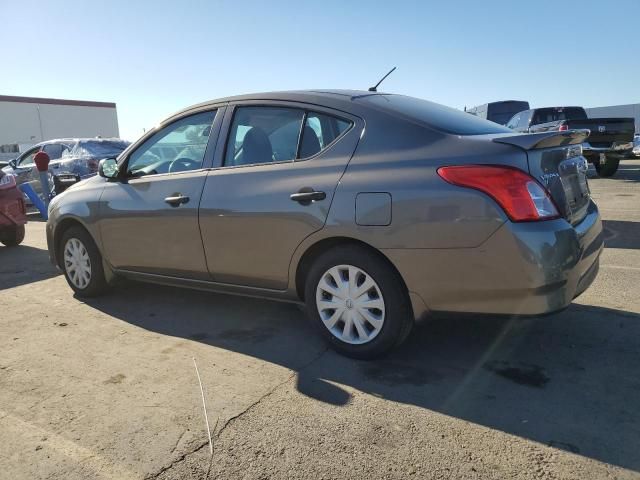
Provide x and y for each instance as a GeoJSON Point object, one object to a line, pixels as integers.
{"type": "Point", "coordinates": [620, 267]}
{"type": "Point", "coordinates": [101, 467]}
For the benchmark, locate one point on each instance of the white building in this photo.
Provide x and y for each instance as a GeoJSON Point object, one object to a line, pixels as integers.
{"type": "Point", "coordinates": [629, 110]}
{"type": "Point", "coordinates": [25, 121]}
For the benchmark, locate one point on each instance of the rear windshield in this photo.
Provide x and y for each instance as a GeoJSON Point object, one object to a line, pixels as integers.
{"type": "Point", "coordinates": [544, 115]}
{"type": "Point", "coordinates": [434, 115]}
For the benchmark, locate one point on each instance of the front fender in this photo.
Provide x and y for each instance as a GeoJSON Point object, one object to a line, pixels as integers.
{"type": "Point", "coordinates": [79, 206]}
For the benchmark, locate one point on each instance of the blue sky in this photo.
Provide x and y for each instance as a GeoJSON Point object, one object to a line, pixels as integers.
{"type": "Point", "coordinates": [155, 57]}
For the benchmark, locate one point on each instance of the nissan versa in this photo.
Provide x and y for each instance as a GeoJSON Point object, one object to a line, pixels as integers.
{"type": "Point", "coordinates": [373, 209]}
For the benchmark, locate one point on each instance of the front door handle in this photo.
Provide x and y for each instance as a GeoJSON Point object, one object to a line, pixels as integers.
{"type": "Point", "coordinates": [176, 200]}
{"type": "Point", "coordinates": [306, 195]}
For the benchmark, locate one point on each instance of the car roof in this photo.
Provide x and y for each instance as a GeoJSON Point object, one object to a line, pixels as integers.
{"type": "Point", "coordinates": [75, 140]}
{"type": "Point", "coordinates": [328, 97]}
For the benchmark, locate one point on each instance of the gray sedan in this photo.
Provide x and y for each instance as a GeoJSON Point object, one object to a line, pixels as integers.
{"type": "Point", "coordinates": [372, 209]}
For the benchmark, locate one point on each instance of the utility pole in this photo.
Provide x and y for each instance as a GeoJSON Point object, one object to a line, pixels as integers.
{"type": "Point", "coordinates": [40, 123]}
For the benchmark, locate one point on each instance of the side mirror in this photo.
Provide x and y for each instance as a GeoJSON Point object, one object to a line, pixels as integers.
{"type": "Point", "coordinates": [13, 163]}
{"type": "Point", "coordinates": [108, 168]}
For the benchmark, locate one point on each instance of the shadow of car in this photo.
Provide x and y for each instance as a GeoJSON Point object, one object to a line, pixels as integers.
{"type": "Point", "coordinates": [567, 380]}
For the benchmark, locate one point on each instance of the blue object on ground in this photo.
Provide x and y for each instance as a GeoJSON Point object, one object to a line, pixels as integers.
{"type": "Point", "coordinates": [35, 199]}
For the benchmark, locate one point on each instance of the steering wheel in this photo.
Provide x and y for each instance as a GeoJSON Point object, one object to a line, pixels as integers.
{"type": "Point", "coordinates": [182, 164]}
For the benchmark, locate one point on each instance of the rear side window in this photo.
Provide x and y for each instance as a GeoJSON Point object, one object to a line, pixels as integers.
{"type": "Point", "coordinates": [261, 135]}
{"type": "Point", "coordinates": [439, 117]}
{"type": "Point", "coordinates": [319, 132]}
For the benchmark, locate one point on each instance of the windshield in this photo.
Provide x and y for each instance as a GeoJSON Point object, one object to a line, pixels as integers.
{"type": "Point", "coordinates": [434, 115]}
{"type": "Point", "coordinates": [97, 148]}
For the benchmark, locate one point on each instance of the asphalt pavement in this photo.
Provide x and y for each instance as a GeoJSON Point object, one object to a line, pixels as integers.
{"type": "Point", "coordinates": [107, 388]}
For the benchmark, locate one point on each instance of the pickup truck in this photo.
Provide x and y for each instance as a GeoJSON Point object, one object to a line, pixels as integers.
{"type": "Point", "coordinates": [611, 139]}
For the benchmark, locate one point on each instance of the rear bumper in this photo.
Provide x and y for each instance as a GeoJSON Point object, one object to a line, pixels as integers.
{"type": "Point", "coordinates": [616, 149]}
{"type": "Point", "coordinates": [522, 269]}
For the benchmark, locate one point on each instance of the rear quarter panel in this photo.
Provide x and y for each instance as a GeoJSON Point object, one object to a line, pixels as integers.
{"type": "Point", "coordinates": [401, 158]}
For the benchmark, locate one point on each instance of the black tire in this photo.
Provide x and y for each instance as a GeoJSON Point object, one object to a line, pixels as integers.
{"type": "Point", "coordinates": [12, 237]}
{"type": "Point", "coordinates": [608, 168]}
{"type": "Point", "coordinates": [97, 284]}
{"type": "Point", "coordinates": [398, 316]}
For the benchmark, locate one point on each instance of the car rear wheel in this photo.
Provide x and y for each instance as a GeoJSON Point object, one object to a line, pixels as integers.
{"type": "Point", "coordinates": [12, 237]}
{"type": "Point", "coordinates": [608, 167]}
{"type": "Point", "coordinates": [358, 302]}
{"type": "Point", "coordinates": [82, 263]}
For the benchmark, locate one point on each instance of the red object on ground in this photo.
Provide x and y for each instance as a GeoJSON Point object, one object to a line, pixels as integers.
{"type": "Point", "coordinates": [12, 209]}
{"type": "Point", "coordinates": [42, 161]}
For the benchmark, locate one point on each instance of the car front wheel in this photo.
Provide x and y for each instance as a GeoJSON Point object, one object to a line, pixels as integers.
{"type": "Point", "coordinates": [82, 263]}
{"type": "Point", "coordinates": [358, 302]}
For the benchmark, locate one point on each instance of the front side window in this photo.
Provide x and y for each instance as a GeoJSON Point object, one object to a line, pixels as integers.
{"type": "Point", "coordinates": [261, 135]}
{"type": "Point", "coordinates": [178, 147]}
{"type": "Point", "coordinates": [27, 160]}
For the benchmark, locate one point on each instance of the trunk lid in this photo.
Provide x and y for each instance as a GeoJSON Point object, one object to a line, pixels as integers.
{"type": "Point", "coordinates": [555, 160]}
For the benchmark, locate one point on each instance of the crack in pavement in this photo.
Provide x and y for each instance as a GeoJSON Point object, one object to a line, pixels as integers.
{"type": "Point", "coordinates": [178, 441]}
{"type": "Point", "coordinates": [217, 435]}
{"type": "Point", "coordinates": [178, 460]}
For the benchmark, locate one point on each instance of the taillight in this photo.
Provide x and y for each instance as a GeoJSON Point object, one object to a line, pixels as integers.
{"type": "Point", "coordinates": [563, 128]}
{"type": "Point", "coordinates": [7, 181]}
{"type": "Point", "coordinates": [521, 197]}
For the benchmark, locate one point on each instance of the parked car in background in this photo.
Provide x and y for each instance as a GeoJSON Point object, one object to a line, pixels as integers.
{"type": "Point", "coordinates": [611, 139]}
{"type": "Point", "coordinates": [636, 145]}
{"type": "Point", "coordinates": [23, 167]}
{"type": "Point", "coordinates": [13, 214]}
{"type": "Point", "coordinates": [71, 159]}
{"type": "Point", "coordinates": [84, 155]}
{"type": "Point", "coordinates": [287, 196]}
{"type": "Point", "coordinates": [498, 112]}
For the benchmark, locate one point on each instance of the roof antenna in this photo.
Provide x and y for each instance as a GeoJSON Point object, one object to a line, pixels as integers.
{"type": "Point", "coordinates": [375, 89]}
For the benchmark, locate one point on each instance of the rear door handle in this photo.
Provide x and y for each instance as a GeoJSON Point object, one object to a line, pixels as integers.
{"type": "Point", "coordinates": [176, 200]}
{"type": "Point", "coordinates": [307, 195]}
